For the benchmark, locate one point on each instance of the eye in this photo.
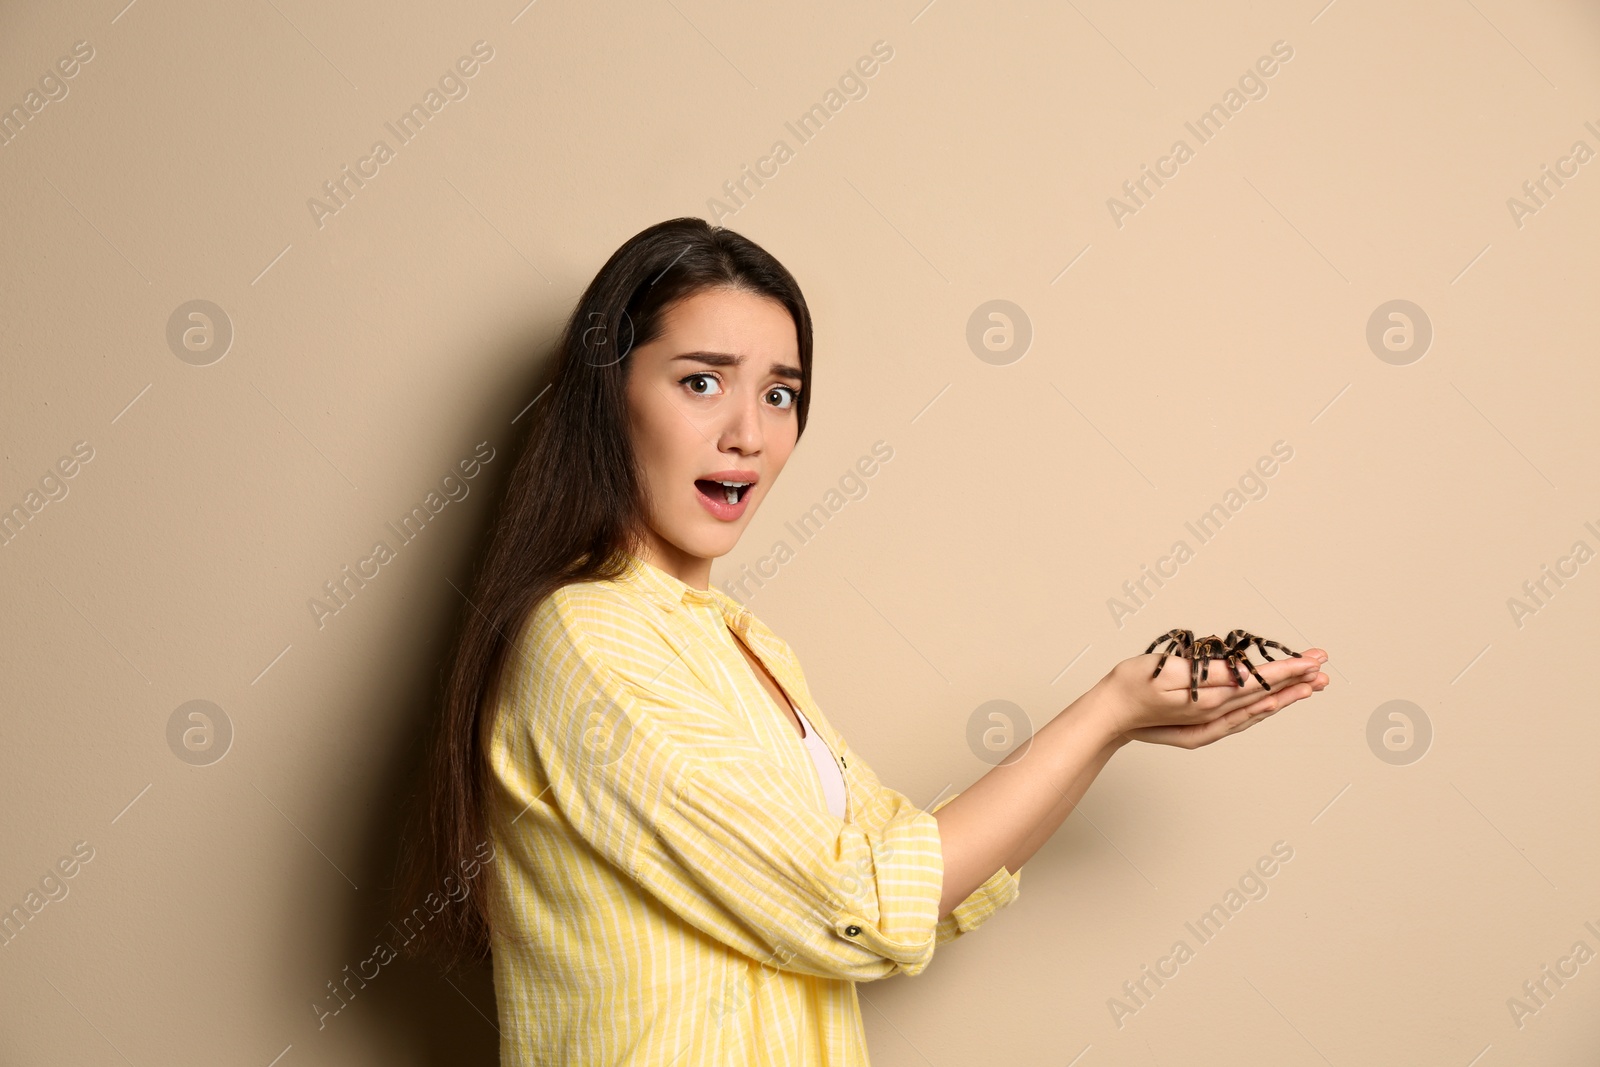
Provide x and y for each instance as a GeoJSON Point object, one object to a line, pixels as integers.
{"type": "Point", "coordinates": [701, 377]}
{"type": "Point", "coordinates": [784, 391]}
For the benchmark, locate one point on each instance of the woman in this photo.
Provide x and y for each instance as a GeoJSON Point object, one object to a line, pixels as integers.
{"type": "Point", "coordinates": [690, 864]}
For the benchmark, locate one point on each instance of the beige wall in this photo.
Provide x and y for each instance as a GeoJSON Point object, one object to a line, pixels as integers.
{"type": "Point", "coordinates": [1174, 343]}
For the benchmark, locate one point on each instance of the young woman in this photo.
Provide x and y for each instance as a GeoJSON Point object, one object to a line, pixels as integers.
{"type": "Point", "coordinates": [690, 864]}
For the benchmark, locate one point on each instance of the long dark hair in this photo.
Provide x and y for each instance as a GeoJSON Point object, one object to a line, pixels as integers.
{"type": "Point", "coordinates": [571, 509]}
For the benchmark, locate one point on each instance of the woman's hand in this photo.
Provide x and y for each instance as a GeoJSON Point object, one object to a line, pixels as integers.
{"type": "Point", "coordinates": [1158, 710]}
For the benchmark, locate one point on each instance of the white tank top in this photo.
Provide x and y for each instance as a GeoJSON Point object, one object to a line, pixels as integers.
{"type": "Point", "coordinates": [827, 770]}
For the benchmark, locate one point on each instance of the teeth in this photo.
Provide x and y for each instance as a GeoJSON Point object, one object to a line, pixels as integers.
{"type": "Point", "coordinates": [731, 490]}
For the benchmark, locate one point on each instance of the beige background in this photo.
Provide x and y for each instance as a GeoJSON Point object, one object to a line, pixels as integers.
{"type": "Point", "coordinates": [1169, 353]}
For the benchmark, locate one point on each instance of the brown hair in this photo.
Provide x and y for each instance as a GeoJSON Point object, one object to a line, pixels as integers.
{"type": "Point", "coordinates": [573, 505]}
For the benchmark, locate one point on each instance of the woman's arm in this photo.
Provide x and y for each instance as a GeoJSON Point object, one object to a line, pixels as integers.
{"type": "Point", "coordinates": [1064, 806]}
{"type": "Point", "coordinates": [1003, 817]}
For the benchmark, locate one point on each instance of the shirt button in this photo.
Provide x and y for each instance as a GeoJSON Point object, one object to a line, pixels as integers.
{"type": "Point", "coordinates": [852, 930]}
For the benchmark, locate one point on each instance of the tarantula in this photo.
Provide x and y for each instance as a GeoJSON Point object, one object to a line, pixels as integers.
{"type": "Point", "coordinates": [1199, 652]}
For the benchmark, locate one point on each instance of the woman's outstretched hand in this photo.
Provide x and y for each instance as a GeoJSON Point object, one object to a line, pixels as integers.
{"type": "Point", "coordinates": [1158, 710]}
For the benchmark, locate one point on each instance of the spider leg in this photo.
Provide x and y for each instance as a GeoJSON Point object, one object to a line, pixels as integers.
{"type": "Point", "coordinates": [1174, 639]}
{"type": "Point", "coordinates": [1194, 676]}
{"type": "Point", "coordinates": [1239, 641]}
{"type": "Point", "coordinates": [1251, 668]}
{"type": "Point", "coordinates": [1233, 666]}
{"type": "Point", "coordinates": [1163, 660]}
{"type": "Point", "coordinates": [1189, 650]}
{"type": "Point", "coordinates": [1169, 635]}
{"type": "Point", "coordinates": [1262, 642]}
{"type": "Point", "coordinates": [1206, 650]}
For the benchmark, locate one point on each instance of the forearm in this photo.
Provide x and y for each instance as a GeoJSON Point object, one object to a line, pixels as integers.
{"type": "Point", "coordinates": [1064, 807]}
{"type": "Point", "coordinates": [997, 817]}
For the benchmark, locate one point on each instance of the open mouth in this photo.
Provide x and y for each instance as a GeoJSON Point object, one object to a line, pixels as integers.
{"type": "Point", "coordinates": [727, 492]}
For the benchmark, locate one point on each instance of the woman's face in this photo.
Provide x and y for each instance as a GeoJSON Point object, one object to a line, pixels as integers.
{"type": "Point", "coordinates": [713, 399]}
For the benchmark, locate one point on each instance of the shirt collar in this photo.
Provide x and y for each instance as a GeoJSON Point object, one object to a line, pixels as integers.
{"type": "Point", "coordinates": [670, 593]}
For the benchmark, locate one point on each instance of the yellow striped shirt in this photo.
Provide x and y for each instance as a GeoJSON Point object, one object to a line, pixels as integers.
{"type": "Point", "coordinates": [669, 886]}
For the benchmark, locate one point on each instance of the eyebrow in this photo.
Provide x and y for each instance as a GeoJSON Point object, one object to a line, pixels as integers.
{"type": "Point", "coordinates": [725, 359]}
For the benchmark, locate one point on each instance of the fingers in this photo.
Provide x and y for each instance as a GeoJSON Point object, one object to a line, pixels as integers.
{"type": "Point", "coordinates": [1244, 710]}
{"type": "Point", "coordinates": [1178, 673]}
{"type": "Point", "coordinates": [1233, 722]}
{"type": "Point", "coordinates": [1224, 711]}
{"type": "Point", "coordinates": [1204, 719]}
{"type": "Point", "coordinates": [1281, 699]}
{"type": "Point", "coordinates": [1265, 710]}
{"type": "Point", "coordinates": [1238, 720]}
{"type": "Point", "coordinates": [1301, 683]}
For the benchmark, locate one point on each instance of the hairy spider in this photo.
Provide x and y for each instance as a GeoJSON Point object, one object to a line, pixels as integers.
{"type": "Point", "coordinates": [1232, 650]}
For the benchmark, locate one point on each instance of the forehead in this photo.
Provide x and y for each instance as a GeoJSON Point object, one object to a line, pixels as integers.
{"type": "Point", "coordinates": [730, 320]}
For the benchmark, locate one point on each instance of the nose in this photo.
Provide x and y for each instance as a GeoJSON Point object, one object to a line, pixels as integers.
{"type": "Point", "coordinates": [741, 431]}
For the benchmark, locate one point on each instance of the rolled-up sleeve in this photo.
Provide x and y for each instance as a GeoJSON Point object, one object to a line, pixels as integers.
{"type": "Point", "coordinates": [998, 890]}
{"type": "Point", "coordinates": [839, 899]}
{"type": "Point", "coordinates": [717, 840]}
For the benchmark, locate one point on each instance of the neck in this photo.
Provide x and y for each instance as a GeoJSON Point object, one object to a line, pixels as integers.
{"type": "Point", "coordinates": [693, 571]}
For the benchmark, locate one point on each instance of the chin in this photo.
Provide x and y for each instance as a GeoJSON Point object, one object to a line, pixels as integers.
{"type": "Point", "coordinates": [714, 544]}
{"type": "Point", "coordinates": [697, 539]}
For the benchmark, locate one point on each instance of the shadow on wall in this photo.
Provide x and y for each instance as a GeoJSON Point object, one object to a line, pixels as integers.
{"type": "Point", "coordinates": [440, 1020]}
